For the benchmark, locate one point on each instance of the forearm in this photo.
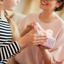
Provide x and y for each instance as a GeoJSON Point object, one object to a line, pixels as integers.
{"type": "Point", "coordinates": [26, 31]}
{"type": "Point", "coordinates": [12, 61]}
{"type": "Point", "coordinates": [9, 51]}
{"type": "Point", "coordinates": [12, 49]}
{"type": "Point", "coordinates": [46, 56]}
{"type": "Point", "coordinates": [23, 33]}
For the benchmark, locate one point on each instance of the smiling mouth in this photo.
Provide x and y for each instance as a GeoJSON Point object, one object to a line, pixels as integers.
{"type": "Point", "coordinates": [43, 2]}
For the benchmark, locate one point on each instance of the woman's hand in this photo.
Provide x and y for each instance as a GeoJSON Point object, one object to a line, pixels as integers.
{"type": "Point", "coordinates": [31, 38]}
{"type": "Point", "coordinates": [24, 33]}
{"type": "Point", "coordinates": [35, 25]}
{"type": "Point", "coordinates": [28, 28]}
{"type": "Point", "coordinates": [43, 47]}
{"type": "Point", "coordinates": [31, 26]}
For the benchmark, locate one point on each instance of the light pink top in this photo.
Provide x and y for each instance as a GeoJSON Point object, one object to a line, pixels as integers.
{"type": "Point", "coordinates": [32, 54]}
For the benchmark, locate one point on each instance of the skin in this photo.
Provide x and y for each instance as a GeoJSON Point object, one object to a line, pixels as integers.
{"type": "Point", "coordinates": [47, 16]}
{"type": "Point", "coordinates": [30, 38]}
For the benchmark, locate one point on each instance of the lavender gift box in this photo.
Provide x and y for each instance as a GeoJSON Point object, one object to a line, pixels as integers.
{"type": "Point", "coordinates": [50, 43]}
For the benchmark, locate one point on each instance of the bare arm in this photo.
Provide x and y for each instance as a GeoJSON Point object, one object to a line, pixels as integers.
{"type": "Point", "coordinates": [46, 55]}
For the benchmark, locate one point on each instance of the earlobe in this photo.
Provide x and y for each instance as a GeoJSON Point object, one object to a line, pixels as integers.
{"type": "Point", "coordinates": [1, 2]}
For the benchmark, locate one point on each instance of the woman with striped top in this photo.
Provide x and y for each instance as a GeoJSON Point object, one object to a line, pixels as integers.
{"type": "Point", "coordinates": [9, 33]}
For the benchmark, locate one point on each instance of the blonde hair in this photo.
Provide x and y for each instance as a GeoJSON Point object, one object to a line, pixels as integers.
{"type": "Point", "coordinates": [14, 28]}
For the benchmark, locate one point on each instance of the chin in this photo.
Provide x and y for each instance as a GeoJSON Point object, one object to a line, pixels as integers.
{"type": "Point", "coordinates": [41, 7]}
{"type": "Point", "coordinates": [11, 9]}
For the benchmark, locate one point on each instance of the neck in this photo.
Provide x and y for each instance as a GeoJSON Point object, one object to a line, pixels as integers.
{"type": "Point", "coordinates": [2, 14]}
{"type": "Point", "coordinates": [47, 16]}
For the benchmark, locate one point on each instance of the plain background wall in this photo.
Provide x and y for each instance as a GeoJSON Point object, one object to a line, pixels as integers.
{"type": "Point", "coordinates": [29, 6]}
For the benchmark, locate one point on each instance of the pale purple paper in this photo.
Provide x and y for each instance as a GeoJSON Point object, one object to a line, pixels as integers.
{"type": "Point", "coordinates": [51, 41]}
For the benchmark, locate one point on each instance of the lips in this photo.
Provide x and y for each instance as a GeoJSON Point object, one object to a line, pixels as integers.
{"type": "Point", "coordinates": [43, 3]}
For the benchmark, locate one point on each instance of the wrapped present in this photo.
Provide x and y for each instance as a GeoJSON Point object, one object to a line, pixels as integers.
{"type": "Point", "coordinates": [50, 43]}
{"type": "Point", "coordinates": [49, 33]}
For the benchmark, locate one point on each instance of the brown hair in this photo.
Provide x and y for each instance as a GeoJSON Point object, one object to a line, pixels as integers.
{"type": "Point", "coordinates": [14, 28]}
{"type": "Point", "coordinates": [61, 7]}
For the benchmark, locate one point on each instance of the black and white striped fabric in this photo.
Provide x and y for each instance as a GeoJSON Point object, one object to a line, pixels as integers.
{"type": "Point", "coordinates": [6, 49]}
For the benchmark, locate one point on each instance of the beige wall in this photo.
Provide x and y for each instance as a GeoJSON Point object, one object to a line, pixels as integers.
{"type": "Point", "coordinates": [27, 6]}
{"type": "Point", "coordinates": [30, 6]}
